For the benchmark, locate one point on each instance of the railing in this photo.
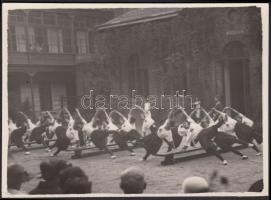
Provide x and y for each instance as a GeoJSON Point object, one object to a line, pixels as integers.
{"type": "Point", "coordinates": [38, 58]}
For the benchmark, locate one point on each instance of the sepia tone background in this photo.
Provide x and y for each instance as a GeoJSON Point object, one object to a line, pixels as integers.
{"type": "Point", "coordinates": [57, 55]}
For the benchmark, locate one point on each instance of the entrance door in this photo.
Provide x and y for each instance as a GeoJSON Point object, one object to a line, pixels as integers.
{"type": "Point", "coordinates": [236, 76]}
{"type": "Point", "coordinates": [45, 96]}
{"type": "Point", "coordinates": [237, 86]}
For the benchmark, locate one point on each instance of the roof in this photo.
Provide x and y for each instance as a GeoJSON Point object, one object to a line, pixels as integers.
{"type": "Point", "coordinates": [139, 15]}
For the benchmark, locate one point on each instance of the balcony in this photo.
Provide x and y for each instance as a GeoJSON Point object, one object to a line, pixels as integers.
{"type": "Point", "coordinates": [33, 58]}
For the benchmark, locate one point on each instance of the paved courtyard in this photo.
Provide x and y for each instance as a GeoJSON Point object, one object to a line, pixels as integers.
{"type": "Point", "coordinates": [104, 172]}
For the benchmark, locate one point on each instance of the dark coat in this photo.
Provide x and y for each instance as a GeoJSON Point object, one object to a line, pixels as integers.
{"type": "Point", "coordinates": [47, 187]}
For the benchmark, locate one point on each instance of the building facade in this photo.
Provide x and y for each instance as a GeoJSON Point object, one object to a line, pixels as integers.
{"type": "Point", "coordinates": [205, 51]}
{"type": "Point", "coordinates": [45, 51]}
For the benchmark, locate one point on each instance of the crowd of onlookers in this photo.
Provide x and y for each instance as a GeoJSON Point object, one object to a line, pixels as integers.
{"type": "Point", "coordinates": [60, 177]}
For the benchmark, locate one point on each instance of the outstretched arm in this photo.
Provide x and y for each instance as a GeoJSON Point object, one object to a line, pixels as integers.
{"type": "Point", "coordinates": [207, 115]}
{"type": "Point", "coordinates": [24, 115]}
{"type": "Point", "coordinates": [51, 116]}
{"type": "Point", "coordinates": [80, 116]}
{"type": "Point", "coordinates": [68, 112]}
{"type": "Point", "coordinates": [187, 116]}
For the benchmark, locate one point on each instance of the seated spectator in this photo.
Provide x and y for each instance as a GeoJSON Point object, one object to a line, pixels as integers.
{"type": "Point", "coordinates": [195, 184]}
{"type": "Point", "coordinates": [257, 186]}
{"type": "Point", "coordinates": [16, 176]}
{"type": "Point", "coordinates": [73, 180]}
{"type": "Point", "coordinates": [50, 184]}
{"type": "Point", "coordinates": [77, 185]}
{"type": "Point", "coordinates": [60, 165]}
{"type": "Point", "coordinates": [132, 181]}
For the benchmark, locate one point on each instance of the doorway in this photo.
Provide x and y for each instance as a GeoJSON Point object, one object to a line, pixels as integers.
{"type": "Point", "coordinates": [236, 77]}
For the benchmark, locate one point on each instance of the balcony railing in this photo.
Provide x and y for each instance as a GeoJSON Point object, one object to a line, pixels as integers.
{"type": "Point", "coordinates": [33, 58]}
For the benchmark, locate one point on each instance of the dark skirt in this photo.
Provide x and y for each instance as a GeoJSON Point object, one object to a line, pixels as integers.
{"type": "Point", "coordinates": [36, 134]}
{"type": "Point", "coordinates": [16, 137]}
{"type": "Point", "coordinates": [99, 138]}
{"type": "Point", "coordinates": [177, 139]}
{"type": "Point", "coordinates": [152, 143]}
{"type": "Point", "coordinates": [244, 132]}
{"type": "Point", "coordinates": [62, 141]}
{"type": "Point", "coordinates": [224, 139]}
{"type": "Point", "coordinates": [207, 144]}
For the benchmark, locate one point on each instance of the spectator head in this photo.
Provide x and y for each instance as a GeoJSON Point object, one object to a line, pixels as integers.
{"type": "Point", "coordinates": [132, 181]}
{"type": "Point", "coordinates": [195, 184]}
{"type": "Point", "coordinates": [70, 173]}
{"type": "Point", "coordinates": [48, 171]}
{"type": "Point", "coordinates": [77, 185]}
{"type": "Point", "coordinates": [16, 175]}
{"type": "Point", "coordinates": [60, 165]}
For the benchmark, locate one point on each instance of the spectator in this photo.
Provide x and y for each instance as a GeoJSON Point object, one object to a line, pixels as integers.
{"type": "Point", "coordinates": [257, 186]}
{"type": "Point", "coordinates": [50, 174]}
{"type": "Point", "coordinates": [73, 180]}
{"type": "Point", "coordinates": [195, 184]}
{"type": "Point", "coordinates": [77, 185]}
{"type": "Point", "coordinates": [132, 181]}
{"type": "Point", "coordinates": [16, 176]}
{"type": "Point", "coordinates": [60, 165]}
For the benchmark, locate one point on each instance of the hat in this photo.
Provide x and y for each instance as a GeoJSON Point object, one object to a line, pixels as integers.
{"type": "Point", "coordinates": [195, 184]}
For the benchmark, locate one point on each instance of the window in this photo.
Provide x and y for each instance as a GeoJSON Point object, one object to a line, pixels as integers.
{"type": "Point", "coordinates": [35, 17]}
{"type": "Point", "coordinates": [91, 41]}
{"type": "Point", "coordinates": [67, 46]}
{"type": "Point", "coordinates": [80, 22]}
{"type": "Point", "coordinates": [81, 40]}
{"type": "Point", "coordinates": [37, 39]}
{"type": "Point", "coordinates": [12, 39]}
{"type": "Point", "coordinates": [55, 40]}
{"type": "Point", "coordinates": [17, 38]}
{"type": "Point", "coordinates": [63, 20]}
{"type": "Point", "coordinates": [49, 18]}
{"type": "Point", "coordinates": [16, 16]}
{"type": "Point", "coordinates": [20, 38]}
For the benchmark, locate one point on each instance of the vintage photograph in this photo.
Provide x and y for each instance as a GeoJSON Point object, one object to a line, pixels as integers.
{"type": "Point", "coordinates": [134, 99]}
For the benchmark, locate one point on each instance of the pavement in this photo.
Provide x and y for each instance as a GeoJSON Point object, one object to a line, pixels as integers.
{"type": "Point", "coordinates": [104, 172]}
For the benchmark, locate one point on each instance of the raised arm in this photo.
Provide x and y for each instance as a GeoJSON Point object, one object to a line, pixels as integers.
{"type": "Point", "coordinates": [24, 115]}
{"type": "Point", "coordinates": [192, 113]}
{"type": "Point", "coordinates": [187, 116]}
{"type": "Point", "coordinates": [51, 116]}
{"type": "Point", "coordinates": [68, 112]}
{"type": "Point", "coordinates": [207, 115]}
{"type": "Point", "coordinates": [80, 116]}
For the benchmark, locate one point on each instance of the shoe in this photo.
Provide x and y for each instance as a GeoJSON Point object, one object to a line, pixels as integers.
{"type": "Point", "coordinates": [113, 157]}
{"type": "Point", "coordinates": [52, 155]}
{"type": "Point", "coordinates": [244, 157]}
{"type": "Point", "coordinates": [224, 162]}
{"type": "Point", "coordinates": [133, 154]}
{"type": "Point", "coordinates": [142, 159]}
{"type": "Point", "coordinates": [250, 145]}
{"type": "Point", "coordinates": [26, 153]}
{"type": "Point", "coordinates": [258, 154]}
{"type": "Point", "coordinates": [48, 150]}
